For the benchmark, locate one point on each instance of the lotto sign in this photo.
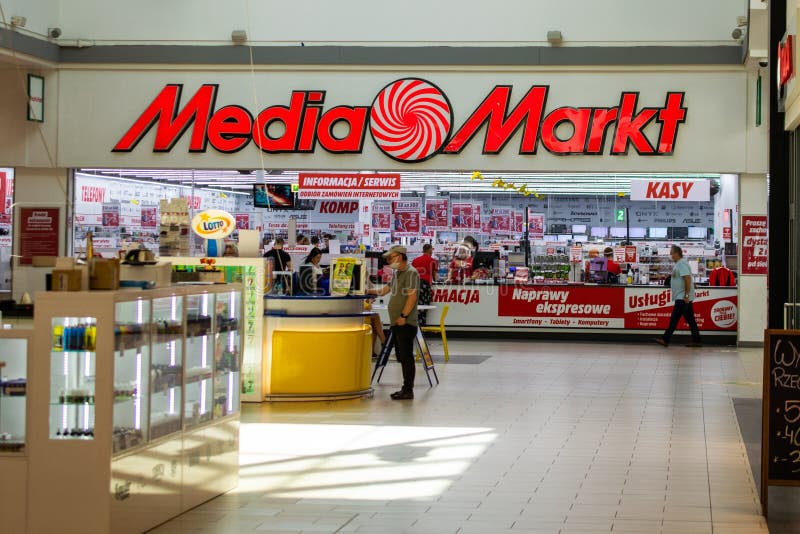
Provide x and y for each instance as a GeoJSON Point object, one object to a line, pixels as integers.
{"type": "Point", "coordinates": [463, 217]}
{"type": "Point", "coordinates": [755, 244]}
{"type": "Point", "coordinates": [436, 214]}
{"type": "Point", "coordinates": [406, 218]}
{"type": "Point", "coordinates": [213, 224]}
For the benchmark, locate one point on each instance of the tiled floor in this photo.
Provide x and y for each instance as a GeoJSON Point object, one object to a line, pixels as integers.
{"type": "Point", "coordinates": [541, 437]}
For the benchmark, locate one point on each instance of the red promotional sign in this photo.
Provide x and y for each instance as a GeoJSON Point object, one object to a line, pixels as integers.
{"type": "Point", "coordinates": [630, 254]}
{"type": "Point", "coordinates": [6, 197]}
{"type": "Point", "coordinates": [727, 234]}
{"type": "Point", "coordinates": [500, 223]}
{"type": "Point", "coordinates": [463, 217]}
{"type": "Point", "coordinates": [649, 308]}
{"type": "Point", "coordinates": [755, 244]}
{"type": "Point", "coordinates": [38, 233]}
{"type": "Point", "coordinates": [436, 214]}
{"type": "Point", "coordinates": [149, 217]}
{"type": "Point", "coordinates": [382, 217]}
{"type": "Point", "coordinates": [786, 60]}
{"type": "Point", "coordinates": [110, 215]}
{"type": "Point", "coordinates": [406, 218]}
{"type": "Point", "coordinates": [561, 306]}
{"type": "Point", "coordinates": [519, 221]}
{"type": "Point", "coordinates": [242, 221]}
{"type": "Point", "coordinates": [478, 222]}
{"type": "Point", "coordinates": [348, 185]}
{"type": "Point", "coordinates": [535, 226]}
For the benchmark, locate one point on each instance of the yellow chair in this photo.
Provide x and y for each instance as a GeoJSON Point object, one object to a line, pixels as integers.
{"type": "Point", "coordinates": [440, 330]}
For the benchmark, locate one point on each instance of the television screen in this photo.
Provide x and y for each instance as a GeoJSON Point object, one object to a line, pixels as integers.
{"type": "Point", "coordinates": [578, 228]}
{"type": "Point", "coordinates": [679, 232]}
{"type": "Point", "coordinates": [558, 229]}
{"type": "Point", "coordinates": [697, 232]}
{"type": "Point", "coordinates": [580, 238]}
{"type": "Point", "coordinates": [638, 233]}
{"type": "Point", "coordinates": [618, 231]}
{"type": "Point", "coordinates": [447, 237]}
{"type": "Point", "coordinates": [564, 237]}
{"type": "Point", "coordinates": [658, 233]}
{"type": "Point", "coordinates": [599, 231]}
{"type": "Point", "coordinates": [275, 196]}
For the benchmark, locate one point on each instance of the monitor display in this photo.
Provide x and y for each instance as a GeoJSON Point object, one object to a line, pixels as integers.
{"type": "Point", "coordinates": [484, 259]}
{"type": "Point", "coordinates": [275, 196]}
{"type": "Point", "coordinates": [599, 231]}
{"type": "Point", "coordinates": [679, 232]}
{"type": "Point", "coordinates": [657, 233]}
{"type": "Point", "coordinates": [638, 233]}
{"type": "Point", "coordinates": [578, 228]}
{"type": "Point", "coordinates": [698, 232]}
{"type": "Point", "coordinates": [580, 238]}
{"type": "Point", "coordinates": [516, 258]}
{"type": "Point", "coordinates": [447, 237]}
{"type": "Point", "coordinates": [565, 237]}
{"type": "Point", "coordinates": [618, 231]}
{"type": "Point", "coordinates": [558, 229]}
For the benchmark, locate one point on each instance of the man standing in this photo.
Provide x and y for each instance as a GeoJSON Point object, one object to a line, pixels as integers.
{"type": "Point", "coordinates": [682, 287]}
{"type": "Point", "coordinates": [281, 261]}
{"type": "Point", "coordinates": [427, 267]}
{"type": "Point", "coordinates": [402, 315]}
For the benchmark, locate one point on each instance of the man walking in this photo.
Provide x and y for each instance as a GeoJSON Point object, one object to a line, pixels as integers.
{"type": "Point", "coordinates": [682, 286]}
{"type": "Point", "coordinates": [402, 315]}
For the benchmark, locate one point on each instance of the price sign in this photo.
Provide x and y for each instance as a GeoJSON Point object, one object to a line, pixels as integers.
{"type": "Point", "coordinates": [780, 437]}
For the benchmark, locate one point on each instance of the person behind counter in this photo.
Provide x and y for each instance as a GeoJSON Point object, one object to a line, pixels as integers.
{"type": "Point", "coordinates": [593, 253]}
{"type": "Point", "coordinates": [682, 286]}
{"type": "Point", "coordinates": [612, 267]}
{"type": "Point", "coordinates": [404, 291]}
{"type": "Point", "coordinates": [460, 268]}
{"type": "Point", "coordinates": [281, 262]}
{"type": "Point", "coordinates": [311, 272]}
{"type": "Point", "coordinates": [427, 267]}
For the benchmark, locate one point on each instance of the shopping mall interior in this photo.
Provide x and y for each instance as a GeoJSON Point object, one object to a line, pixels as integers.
{"type": "Point", "coordinates": [431, 268]}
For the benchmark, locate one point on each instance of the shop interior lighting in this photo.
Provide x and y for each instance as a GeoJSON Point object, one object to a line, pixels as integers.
{"type": "Point", "coordinates": [454, 183]}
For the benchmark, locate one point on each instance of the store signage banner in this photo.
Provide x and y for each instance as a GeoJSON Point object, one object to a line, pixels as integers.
{"type": "Point", "coordinates": [650, 308]}
{"type": "Point", "coordinates": [462, 217]}
{"type": "Point", "coordinates": [535, 225]}
{"type": "Point", "coordinates": [755, 244]}
{"type": "Point", "coordinates": [727, 234]}
{"type": "Point", "coordinates": [500, 222]}
{"type": "Point", "coordinates": [111, 214]}
{"type": "Point", "coordinates": [149, 217]}
{"type": "Point", "coordinates": [437, 214]}
{"type": "Point", "coordinates": [38, 233]}
{"type": "Point", "coordinates": [6, 198]}
{"type": "Point", "coordinates": [382, 216]}
{"type": "Point", "coordinates": [348, 185]}
{"type": "Point", "coordinates": [519, 221]}
{"type": "Point", "coordinates": [480, 220]}
{"type": "Point", "coordinates": [406, 218]}
{"type": "Point", "coordinates": [575, 254]}
{"type": "Point", "coordinates": [242, 221]}
{"type": "Point", "coordinates": [213, 224]}
{"type": "Point", "coordinates": [671, 190]}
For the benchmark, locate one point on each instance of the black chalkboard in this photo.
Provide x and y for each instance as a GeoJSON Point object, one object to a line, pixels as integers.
{"type": "Point", "coordinates": [780, 438]}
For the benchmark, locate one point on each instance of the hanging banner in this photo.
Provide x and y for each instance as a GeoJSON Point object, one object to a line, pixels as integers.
{"type": "Point", "coordinates": [149, 217]}
{"type": "Point", "coordinates": [462, 217]}
{"type": "Point", "coordinates": [382, 217]}
{"type": "Point", "coordinates": [38, 233]}
{"type": "Point", "coordinates": [242, 221]}
{"type": "Point", "coordinates": [436, 214]}
{"type": "Point", "coordinates": [535, 225]}
{"type": "Point", "coordinates": [348, 185]}
{"type": "Point", "coordinates": [575, 254]}
{"type": "Point", "coordinates": [406, 218]}
{"type": "Point", "coordinates": [478, 222]}
{"type": "Point", "coordinates": [6, 198]}
{"type": "Point", "coordinates": [755, 244]}
{"type": "Point", "coordinates": [111, 214]}
{"type": "Point", "coordinates": [671, 190]}
{"type": "Point", "coordinates": [500, 221]}
{"type": "Point", "coordinates": [519, 221]}
{"type": "Point", "coordinates": [631, 254]}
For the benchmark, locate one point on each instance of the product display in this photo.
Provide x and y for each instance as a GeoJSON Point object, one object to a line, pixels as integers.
{"type": "Point", "coordinates": [72, 377]}
{"type": "Point", "coordinates": [13, 391]}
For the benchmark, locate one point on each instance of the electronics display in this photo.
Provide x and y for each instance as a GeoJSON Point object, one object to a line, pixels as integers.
{"type": "Point", "coordinates": [13, 393]}
{"type": "Point", "coordinates": [698, 232]}
{"type": "Point", "coordinates": [617, 231]}
{"type": "Point", "coordinates": [566, 237]}
{"type": "Point", "coordinates": [485, 259]}
{"type": "Point", "coordinates": [447, 237]}
{"type": "Point", "coordinates": [599, 231]}
{"type": "Point", "coordinates": [559, 229]}
{"type": "Point", "coordinates": [275, 196]}
{"type": "Point", "coordinates": [578, 228]}
{"type": "Point", "coordinates": [678, 232]}
{"type": "Point", "coordinates": [657, 233]}
{"type": "Point", "coordinates": [516, 259]}
{"type": "Point", "coordinates": [638, 232]}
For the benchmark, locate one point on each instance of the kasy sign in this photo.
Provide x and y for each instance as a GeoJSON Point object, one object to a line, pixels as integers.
{"type": "Point", "coordinates": [671, 190]}
{"type": "Point", "coordinates": [410, 120]}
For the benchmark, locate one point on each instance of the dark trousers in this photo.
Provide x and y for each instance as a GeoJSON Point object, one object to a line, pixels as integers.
{"type": "Point", "coordinates": [682, 309]}
{"type": "Point", "coordinates": [404, 350]}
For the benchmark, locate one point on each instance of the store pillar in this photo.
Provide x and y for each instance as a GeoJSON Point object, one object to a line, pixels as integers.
{"type": "Point", "coordinates": [752, 287]}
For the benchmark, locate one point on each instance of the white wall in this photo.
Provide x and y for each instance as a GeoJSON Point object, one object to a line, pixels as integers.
{"type": "Point", "coordinates": [752, 288]}
{"type": "Point", "coordinates": [41, 14]}
{"type": "Point", "coordinates": [727, 199]}
{"type": "Point", "coordinates": [409, 22]}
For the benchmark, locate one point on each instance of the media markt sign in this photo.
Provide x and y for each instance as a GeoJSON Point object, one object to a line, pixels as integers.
{"type": "Point", "coordinates": [410, 120]}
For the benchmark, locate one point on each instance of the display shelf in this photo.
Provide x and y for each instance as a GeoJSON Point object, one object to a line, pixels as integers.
{"type": "Point", "coordinates": [126, 384]}
{"type": "Point", "coordinates": [13, 392]}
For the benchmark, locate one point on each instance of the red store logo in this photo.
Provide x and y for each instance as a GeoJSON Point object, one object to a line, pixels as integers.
{"type": "Point", "coordinates": [410, 121]}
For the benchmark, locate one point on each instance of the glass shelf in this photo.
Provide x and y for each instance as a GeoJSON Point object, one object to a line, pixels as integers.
{"type": "Point", "coordinates": [166, 367]}
{"type": "Point", "coordinates": [227, 354]}
{"type": "Point", "coordinates": [131, 374]}
{"type": "Point", "coordinates": [13, 394]}
{"type": "Point", "coordinates": [72, 377]}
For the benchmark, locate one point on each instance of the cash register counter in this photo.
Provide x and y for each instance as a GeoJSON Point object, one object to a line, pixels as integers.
{"type": "Point", "coordinates": [316, 348]}
{"type": "Point", "coordinates": [578, 311]}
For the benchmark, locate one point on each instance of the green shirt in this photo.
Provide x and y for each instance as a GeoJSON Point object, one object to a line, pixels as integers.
{"type": "Point", "coordinates": [677, 284]}
{"type": "Point", "coordinates": [403, 282]}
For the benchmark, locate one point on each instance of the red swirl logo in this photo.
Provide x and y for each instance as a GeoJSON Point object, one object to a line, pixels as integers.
{"type": "Point", "coordinates": [410, 120]}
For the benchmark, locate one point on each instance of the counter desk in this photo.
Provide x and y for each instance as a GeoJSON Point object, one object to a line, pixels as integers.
{"type": "Point", "coordinates": [600, 311]}
{"type": "Point", "coordinates": [316, 348]}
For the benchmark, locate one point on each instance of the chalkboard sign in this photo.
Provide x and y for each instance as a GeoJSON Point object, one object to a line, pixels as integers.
{"type": "Point", "coordinates": [780, 438]}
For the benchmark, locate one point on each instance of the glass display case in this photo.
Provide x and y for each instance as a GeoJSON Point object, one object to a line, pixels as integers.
{"type": "Point", "coordinates": [198, 407]}
{"type": "Point", "coordinates": [227, 354]}
{"type": "Point", "coordinates": [131, 376]}
{"type": "Point", "coordinates": [13, 394]}
{"type": "Point", "coordinates": [166, 369]}
{"type": "Point", "coordinates": [72, 377]}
